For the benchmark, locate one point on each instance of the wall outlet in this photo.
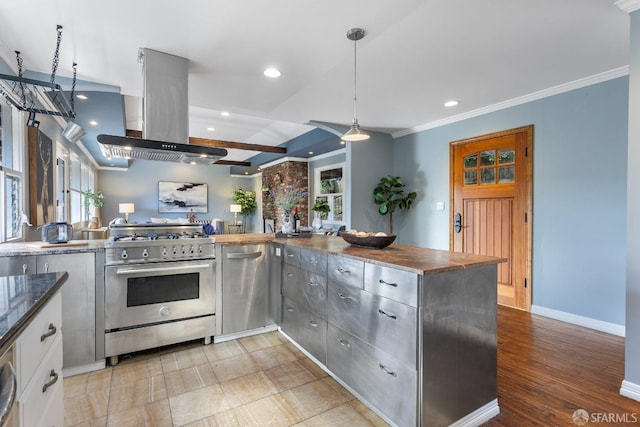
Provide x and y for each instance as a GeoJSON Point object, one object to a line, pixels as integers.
{"type": "Point", "coordinates": [439, 206]}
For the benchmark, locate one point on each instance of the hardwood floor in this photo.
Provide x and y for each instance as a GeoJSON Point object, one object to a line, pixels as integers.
{"type": "Point", "coordinates": [549, 369]}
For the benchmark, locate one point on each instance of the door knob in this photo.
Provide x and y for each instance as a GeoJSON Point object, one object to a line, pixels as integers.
{"type": "Point", "coordinates": [457, 222]}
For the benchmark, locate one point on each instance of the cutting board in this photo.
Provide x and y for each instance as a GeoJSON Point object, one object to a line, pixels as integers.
{"type": "Point", "coordinates": [44, 245]}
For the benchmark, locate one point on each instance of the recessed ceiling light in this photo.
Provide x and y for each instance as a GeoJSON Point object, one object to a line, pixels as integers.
{"type": "Point", "coordinates": [272, 72]}
{"type": "Point", "coordinates": [451, 103]}
{"type": "Point", "coordinates": [225, 114]}
{"type": "Point", "coordinates": [246, 173]}
{"type": "Point", "coordinates": [211, 128]}
{"type": "Point", "coordinates": [203, 155]}
{"type": "Point", "coordinates": [81, 96]}
{"type": "Point", "coordinates": [93, 123]}
{"type": "Point", "coordinates": [342, 142]}
{"type": "Point", "coordinates": [193, 163]}
{"type": "Point", "coordinates": [310, 152]}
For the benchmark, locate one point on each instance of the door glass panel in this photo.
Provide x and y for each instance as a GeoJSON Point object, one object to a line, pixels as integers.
{"type": "Point", "coordinates": [471, 161]}
{"type": "Point", "coordinates": [506, 156]}
{"type": "Point", "coordinates": [331, 181]}
{"type": "Point", "coordinates": [487, 158]}
{"type": "Point", "coordinates": [506, 174]}
{"type": "Point", "coordinates": [487, 176]}
{"type": "Point", "coordinates": [337, 208]}
{"type": "Point", "coordinates": [470, 177]}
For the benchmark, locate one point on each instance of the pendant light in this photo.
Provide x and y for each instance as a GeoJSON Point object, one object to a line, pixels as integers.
{"type": "Point", "coordinates": [355, 134]}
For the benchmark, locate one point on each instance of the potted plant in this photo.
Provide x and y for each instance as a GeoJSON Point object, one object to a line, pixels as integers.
{"type": "Point", "coordinates": [389, 196]}
{"type": "Point", "coordinates": [247, 201]}
{"type": "Point", "coordinates": [93, 200]}
{"type": "Point", "coordinates": [322, 208]}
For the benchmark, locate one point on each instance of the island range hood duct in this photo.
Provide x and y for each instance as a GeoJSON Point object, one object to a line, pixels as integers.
{"type": "Point", "coordinates": [165, 115]}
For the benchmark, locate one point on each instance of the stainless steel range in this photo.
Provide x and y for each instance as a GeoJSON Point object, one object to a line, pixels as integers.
{"type": "Point", "coordinates": [159, 287]}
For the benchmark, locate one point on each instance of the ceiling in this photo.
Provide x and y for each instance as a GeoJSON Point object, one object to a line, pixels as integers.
{"type": "Point", "coordinates": [416, 55]}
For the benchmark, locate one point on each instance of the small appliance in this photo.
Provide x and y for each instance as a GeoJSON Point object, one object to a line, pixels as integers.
{"type": "Point", "coordinates": [56, 232]}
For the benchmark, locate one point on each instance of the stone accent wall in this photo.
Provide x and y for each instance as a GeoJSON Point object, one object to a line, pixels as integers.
{"type": "Point", "coordinates": [278, 176]}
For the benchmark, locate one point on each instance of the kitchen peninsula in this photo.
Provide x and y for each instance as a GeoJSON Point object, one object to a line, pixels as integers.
{"type": "Point", "coordinates": [411, 331]}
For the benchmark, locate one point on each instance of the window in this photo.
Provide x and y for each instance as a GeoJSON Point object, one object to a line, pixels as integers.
{"type": "Point", "coordinates": [11, 174]}
{"type": "Point", "coordinates": [81, 178]}
{"type": "Point", "coordinates": [330, 185]}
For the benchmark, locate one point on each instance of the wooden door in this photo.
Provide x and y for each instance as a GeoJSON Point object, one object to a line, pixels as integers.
{"type": "Point", "coordinates": [491, 199]}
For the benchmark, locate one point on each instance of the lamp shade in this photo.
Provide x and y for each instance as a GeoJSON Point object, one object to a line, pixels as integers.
{"type": "Point", "coordinates": [355, 134]}
{"type": "Point", "coordinates": [235, 208]}
{"type": "Point", "coordinates": [126, 208]}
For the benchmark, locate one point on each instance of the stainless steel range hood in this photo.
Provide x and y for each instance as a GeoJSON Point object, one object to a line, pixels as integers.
{"type": "Point", "coordinates": [165, 115]}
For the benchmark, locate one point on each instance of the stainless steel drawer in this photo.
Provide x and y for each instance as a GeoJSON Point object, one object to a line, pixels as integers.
{"type": "Point", "coordinates": [383, 380]}
{"type": "Point", "coordinates": [399, 285]}
{"type": "Point", "coordinates": [313, 261]}
{"type": "Point", "coordinates": [381, 322]}
{"type": "Point", "coordinates": [346, 270]}
{"type": "Point", "coordinates": [306, 328]}
{"type": "Point", "coordinates": [292, 255]}
{"type": "Point", "coordinates": [306, 288]}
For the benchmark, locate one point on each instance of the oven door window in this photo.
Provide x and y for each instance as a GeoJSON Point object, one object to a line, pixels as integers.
{"type": "Point", "coordinates": [162, 289]}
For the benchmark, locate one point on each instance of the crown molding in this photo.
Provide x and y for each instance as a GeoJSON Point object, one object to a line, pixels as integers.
{"type": "Point", "coordinates": [545, 93]}
{"type": "Point", "coordinates": [628, 5]}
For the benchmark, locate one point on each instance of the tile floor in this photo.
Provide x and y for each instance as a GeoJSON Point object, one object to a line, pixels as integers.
{"type": "Point", "coordinates": [261, 380]}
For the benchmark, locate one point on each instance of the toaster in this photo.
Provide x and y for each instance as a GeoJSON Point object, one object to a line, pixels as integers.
{"type": "Point", "coordinates": [57, 232]}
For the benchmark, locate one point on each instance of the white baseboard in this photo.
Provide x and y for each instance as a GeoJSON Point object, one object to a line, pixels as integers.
{"type": "Point", "coordinates": [243, 334]}
{"type": "Point", "coordinates": [479, 416]}
{"type": "Point", "coordinates": [69, 372]}
{"type": "Point", "coordinates": [630, 390]}
{"type": "Point", "coordinates": [587, 322]}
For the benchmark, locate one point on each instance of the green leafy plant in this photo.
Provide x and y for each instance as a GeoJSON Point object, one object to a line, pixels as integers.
{"type": "Point", "coordinates": [92, 198]}
{"type": "Point", "coordinates": [247, 201]}
{"type": "Point", "coordinates": [321, 205]}
{"type": "Point", "coordinates": [389, 196]}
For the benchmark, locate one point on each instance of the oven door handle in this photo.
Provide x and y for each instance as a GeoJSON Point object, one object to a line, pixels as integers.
{"type": "Point", "coordinates": [244, 255]}
{"type": "Point", "coordinates": [124, 272]}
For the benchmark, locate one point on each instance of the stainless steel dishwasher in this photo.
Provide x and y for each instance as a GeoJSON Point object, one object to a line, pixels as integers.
{"type": "Point", "coordinates": [245, 287]}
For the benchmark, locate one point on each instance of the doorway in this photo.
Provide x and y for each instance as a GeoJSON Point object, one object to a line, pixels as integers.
{"type": "Point", "coordinates": [491, 186]}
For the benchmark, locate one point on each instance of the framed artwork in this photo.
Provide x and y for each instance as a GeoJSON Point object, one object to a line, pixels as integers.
{"type": "Point", "coordinates": [182, 197]}
{"type": "Point", "coordinates": [41, 168]}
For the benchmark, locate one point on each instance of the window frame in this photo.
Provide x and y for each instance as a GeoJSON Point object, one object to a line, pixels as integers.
{"type": "Point", "coordinates": [317, 192]}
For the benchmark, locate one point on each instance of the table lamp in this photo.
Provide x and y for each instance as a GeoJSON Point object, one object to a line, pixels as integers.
{"type": "Point", "coordinates": [235, 209]}
{"type": "Point", "coordinates": [126, 209]}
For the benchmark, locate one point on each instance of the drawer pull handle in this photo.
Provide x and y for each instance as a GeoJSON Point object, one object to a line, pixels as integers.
{"type": "Point", "coordinates": [54, 379]}
{"type": "Point", "coordinates": [345, 297]}
{"type": "Point", "coordinates": [313, 284]}
{"type": "Point", "coordinates": [52, 331]}
{"type": "Point", "coordinates": [343, 271]}
{"type": "Point", "coordinates": [290, 309]}
{"type": "Point", "coordinates": [314, 324]}
{"type": "Point", "coordinates": [25, 267]}
{"type": "Point", "coordinates": [387, 370]}
{"type": "Point", "coordinates": [313, 261]}
{"type": "Point", "coordinates": [344, 342]}
{"type": "Point", "coordinates": [391, 316]}
{"type": "Point", "coordinates": [290, 274]}
{"type": "Point", "coordinates": [290, 255]}
{"type": "Point", "coordinates": [395, 285]}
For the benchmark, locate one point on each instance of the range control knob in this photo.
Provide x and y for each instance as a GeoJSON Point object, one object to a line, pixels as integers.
{"type": "Point", "coordinates": [173, 250]}
{"type": "Point", "coordinates": [191, 250]}
{"type": "Point", "coordinates": [145, 253]}
{"type": "Point", "coordinates": [184, 250]}
{"type": "Point", "coordinates": [165, 311]}
{"type": "Point", "coordinates": [164, 251]}
{"type": "Point", "coordinates": [124, 254]}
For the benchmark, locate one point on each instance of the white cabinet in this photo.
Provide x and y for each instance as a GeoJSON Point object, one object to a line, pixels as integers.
{"type": "Point", "coordinates": [39, 368]}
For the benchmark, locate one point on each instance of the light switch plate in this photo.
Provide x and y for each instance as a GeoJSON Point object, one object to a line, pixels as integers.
{"type": "Point", "coordinates": [439, 206]}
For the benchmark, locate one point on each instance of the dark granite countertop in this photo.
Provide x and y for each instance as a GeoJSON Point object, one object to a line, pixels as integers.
{"type": "Point", "coordinates": [31, 248]}
{"type": "Point", "coordinates": [21, 299]}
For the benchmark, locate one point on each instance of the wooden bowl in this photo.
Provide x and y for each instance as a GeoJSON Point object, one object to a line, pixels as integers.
{"type": "Point", "coordinates": [375, 242]}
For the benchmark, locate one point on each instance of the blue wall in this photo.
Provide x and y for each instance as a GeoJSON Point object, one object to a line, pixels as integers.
{"type": "Point", "coordinates": [579, 201]}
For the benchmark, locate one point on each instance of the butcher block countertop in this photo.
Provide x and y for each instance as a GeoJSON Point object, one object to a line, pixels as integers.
{"type": "Point", "coordinates": [410, 258]}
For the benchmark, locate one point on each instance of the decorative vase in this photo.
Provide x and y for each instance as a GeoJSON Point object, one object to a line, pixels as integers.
{"type": "Point", "coordinates": [93, 223]}
{"type": "Point", "coordinates": [287, 223]}
{"type": "Point", "coordinates": [317, 223]}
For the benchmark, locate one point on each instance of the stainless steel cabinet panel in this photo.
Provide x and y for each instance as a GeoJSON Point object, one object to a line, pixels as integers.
{"type": "Point", "coordinates": [398, 285]}
{"type": "Point", "coordinates": [78, 305]}
{"type": "Point", "coordinates": [380, 378]}
{"type": "Point", "coordinates": [292, 255]}
{"type": "Point", "coordinates": [306, 328]}
{"type": "Point", "coordinates": [307, 288]}
{"type": "Point", "coordinates": [381, 322]}
{"type": "Point", "coordinates": [17, 265]}
{"type": "Point", "coordinates": [313, 261]}
{"type": "Point", "coordinates": [346, 270]}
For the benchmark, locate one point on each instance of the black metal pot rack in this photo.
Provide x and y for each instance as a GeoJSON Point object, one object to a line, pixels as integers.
{"type": "Point", "coordinates": [36, 96]}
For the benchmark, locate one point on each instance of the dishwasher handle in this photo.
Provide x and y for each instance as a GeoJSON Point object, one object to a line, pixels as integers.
{"type": "Point", "coordinates": [8, 392]}
{"type": "Point", "coordinates": [244, 255]}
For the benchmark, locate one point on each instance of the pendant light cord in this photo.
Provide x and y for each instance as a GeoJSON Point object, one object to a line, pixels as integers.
{"type": "Point", "coordinates": [355, 80]}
